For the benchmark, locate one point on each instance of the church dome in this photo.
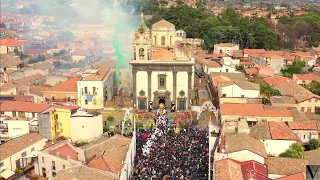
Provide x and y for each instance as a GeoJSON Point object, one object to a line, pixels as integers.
{"type": "Point", "coordinates": [163, 24]}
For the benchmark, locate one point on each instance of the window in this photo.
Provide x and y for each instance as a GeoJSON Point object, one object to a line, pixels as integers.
{"type": "Point", "coordinates": [224, 95]}
{"type": "Point", "coordinates": [141, 52]}
{"type": "Point", "coordinates": [162, 82]}
{"type": "Point", "coordinates": [44, 174]}
{"type": "Point", "coordinates": [227, 70]}
{"type": "Point", "coordinates": [68, 98]}
{"type": "Point", "coordinates": [53, 98]}
{"type": "Point", "coordinates": [242, 96]}
{"type": "Point", "coordinates": [14, 113]}
{"type": "Point", "coordinates": [309, 110]}
{"type": "Point", "coordinates": [56, 117]}
{"type": "Point", "coordinates": [181, 105]}
{"type": "Point", "coordinates": [32, 149]}
{"type": "Point", "coordinates": [61, 130]}
{"type": "Point", "coordinates": [53, 174]}
{"type": "Point", "coordinates": [22, 114]}
{"type": "Point", "coordinates": [82, 126]}
{"type": "Point", "coordinates": [1, 164]}
{"type": "Point", "coordinates": [1, 112]}
{"type": "Point", "coordinates": [63, 166]}
{"type": "Point", "coordinates": [163, 41]}
{"type": "Point", "coordinates": [33, 115]}
{"type": "Point", "coordinates": [42, 159]}
{"type": "Point", "coordinates": [24, 154]}
{"type": "Point", "coordinates": [302, 109]}
{"type": "Point", "coordinates": [251, 123]}
{"type": "Point", "coordinates": [94, 88]}
{"type": "Point", "coordinates": [86, 101]}
{"type": "Point", "coordinates": [86, 90]}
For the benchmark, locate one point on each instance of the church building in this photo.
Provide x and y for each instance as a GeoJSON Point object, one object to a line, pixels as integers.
{"type": "Point", "coordinates": [162, 69]}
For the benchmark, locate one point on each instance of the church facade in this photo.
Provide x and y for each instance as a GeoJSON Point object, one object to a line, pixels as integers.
{"type": "Point", "coordinates": [162, 71]}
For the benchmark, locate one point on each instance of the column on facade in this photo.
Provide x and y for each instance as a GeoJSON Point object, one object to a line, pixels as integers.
{"type": "Point", "coordinates": [134, 89]}
{"type": "Point", "coordinates": [174, 86]}
{"type": "Point", "coordinates": [189, 88]}
{"type": "Point", "coordinates": [149, 86]}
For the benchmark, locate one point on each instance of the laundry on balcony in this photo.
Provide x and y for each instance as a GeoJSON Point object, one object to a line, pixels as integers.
{"type": "Point", "coordinates": [89, 97]}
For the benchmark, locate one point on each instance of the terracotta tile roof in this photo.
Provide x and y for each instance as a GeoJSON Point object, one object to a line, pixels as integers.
{"type": "Point", "coordinates": [299, 93]}
{"type": "Point", "coordinates": [242, 141]}
{"type": "Point", "coordinates": [254, 51]}
{"type": "Point", "coordinates": [23, 98]}
{"type": "Point", "coordinates": [37, 90]}
{"type": "Point", "coordinates": [251, 71]}
{"type": "Point", "coordinates": [11, 42]}
{"type": "Point", "coordinates": [9, 60]}
{"type": "Point", "coordinates": [300, 116]}
{"type": "Point", "coordinates": [245, 85]}
{"type": "Point", "coordinates": [277, 80]}
{"type": "Point", "coordinates": [23, 106]}
{"type": "Point", "coordinates": [313, 157]}
{"type": "Point", "coordinates": [307, 77]}
{"type": "Point", "coordinates": [260, 131]}
{"type": "Point", "coordinates": [162, 23]}
{"type": "Point", "coordinates": [102, 72]}
{"type": "Point", "coordinates": [29, 79]}
{"type": "Point", "coordinates": [16, 145]}
{"type": "Point", "coordinates": [285, 166]}
{"type": "Point", "coordinates": [246, 63]}
{"type": "Point", "coordinates": [280, 131]}
{"type": "Point", "coordinates": [228, 169]}
{"type": "Point", "coordinates": [214, 64]}
{"type": "Point", "coordinates": [289, 57]}
{"type": "Point", "coordinates": [304, 125]}
{"type": "Point", "coordinates": [8, 86]}
{"type": "Point", "coordinates": [298, 176]}
{"type": "Point", "coordinates": [253, 169]}
{"type": "Point", "coordinates": [316, 49]}
{"type": "Point", "coordinates": [65, 151]}
{"type": "Point", "coordinates": [69, 85]}
{"type": "Point", "coordinates": [112, 157]}
{"type": "Point", "coordinates": [252, 110]}
{"type": "Point", "coordinates": [256, 56]}
{"type": "Point", "coordinates": [228, 76]}
{"type": "Point", "coordinates": [163, 53]}
{"type": "Point", "coordinates": [79, 52]}
{"type": "Point", "coordinates": [82, 173]}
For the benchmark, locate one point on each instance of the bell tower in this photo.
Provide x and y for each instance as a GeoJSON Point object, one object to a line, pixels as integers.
{"type": "Point", "coordinates": [142, 42]}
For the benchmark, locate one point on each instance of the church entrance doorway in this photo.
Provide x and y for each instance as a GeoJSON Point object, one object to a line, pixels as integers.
{"type": "Point", "coordinates": [162, 100]}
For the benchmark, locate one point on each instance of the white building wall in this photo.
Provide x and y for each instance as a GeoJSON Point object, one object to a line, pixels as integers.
{"type": "Point", "coordinates": [27, 114]}
{"type": "Point", "coordinates": [128, 164]}
{"type": "Point", "coordinates": [236, 91]}
{"type": "Point", "coordinates": [182, 83]}
{"type": "Point", "coordinates": [142, 82]}
{"type": "Point", "coordinates": [154, 82]}
{"type": "Point", "coordinates": [10, 162]}
{"type": "Point", "coordinates": [276, 147]}
{"type": "Point", "coordinates": [83, 97]}
{"type": "Point", "coordinates": [47, 164]}
{"type": "Point", "coordinates": [224, 68]}
{"type": "Point", "coordinates": [246, 155]}
{"type": "Point", "coordinates": [17, 128]}
{"type": "Point", "coordinates": [306, 135]}
{"type": "Point", "coordinates": [86, 128]}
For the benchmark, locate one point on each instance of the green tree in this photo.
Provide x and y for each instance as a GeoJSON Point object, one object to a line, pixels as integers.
{"type": "Point", "coordinates": [195, 122]}
{"type": "Point", "coordinates": [239, 67]}
{"type": "Point", "coordinates": [313, 144]}
{"type": "Point", "coordinates": [295, 151]}
{"type": "Point", "coordinates": [110, 118]}
{"type": "Point", "coordinates": [268, 90]}
{"type": "Point", "coordinates": [314, 87]}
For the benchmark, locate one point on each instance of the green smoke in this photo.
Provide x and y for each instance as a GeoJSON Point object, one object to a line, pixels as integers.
{"type": "Point", "coordinates": [120, 58]}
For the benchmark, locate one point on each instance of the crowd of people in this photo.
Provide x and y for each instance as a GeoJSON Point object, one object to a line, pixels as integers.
{"type": "Point", "coordinates": [163, 153]}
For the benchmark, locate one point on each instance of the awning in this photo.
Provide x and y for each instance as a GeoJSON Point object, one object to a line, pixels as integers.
{"type": "Point", "coordinates": [7, 173]}
{"type": "Point", "coordinates": [251, 119]}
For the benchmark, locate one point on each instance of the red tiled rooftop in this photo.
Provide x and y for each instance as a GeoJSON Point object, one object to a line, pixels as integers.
{"type": "Point", "coordinates": [79, 52]}
{"type": "Point", "coordinates": [246, 63]}
{"type": "Point", "coordinates": [254, 169]}
{"type": "Point", "coordinates": [11, 42]}
{"type": "Point", "coordinates": [163, 53]}
{"type": "Point", "coordinates": [306, 77]}
{"type": "Point", "coordinates": [254, 51]}
{"type": "Point", "coordinates": [66, 151]}
{"type": "Point", "coordinates": [303, 125]}
{"type": "Point", "coordinates": [23, 106]}
{"type": "Point", "coordinates": [280, 131]}
{"type": "Point", "coordinates": [252, 110]}
{"type": "Point", "coordinates": [277, 80]}
{"type": "Point", "coordinates": [69, 85]}
{"type": "Point", "coordinates": [251, 70]}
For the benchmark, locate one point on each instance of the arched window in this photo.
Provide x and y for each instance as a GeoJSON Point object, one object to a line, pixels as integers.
{"type": "Point", "coordinates": [155, 40]}
{"type": "Point", "coordinates": [141, 52]}
{"type": "Point", "coordinates": [163, 41]}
